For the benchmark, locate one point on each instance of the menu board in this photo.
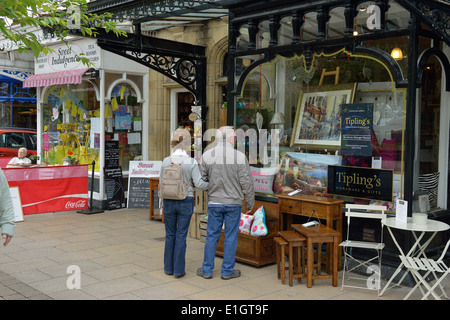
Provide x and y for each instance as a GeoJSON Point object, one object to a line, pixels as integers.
{"type": "Point", "coordinates": [139, 183]}
{"type": "Point", "coordinates": [111, 154]}
{"type": "Point", "coordinates": [138, 193]}
{"type": "Point", "coordinates": [115, 194]}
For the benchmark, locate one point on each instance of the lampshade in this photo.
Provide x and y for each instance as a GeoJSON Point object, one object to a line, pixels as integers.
{"type": "Point", "coordinates": [397, 53]}
{"type": "Point", "coordinates": [278, 118]}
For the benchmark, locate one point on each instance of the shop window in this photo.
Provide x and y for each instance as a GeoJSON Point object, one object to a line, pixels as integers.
{"type": "Point", "coordinates": [432, 166]}
{"type": "Point", "coordinates": [298, 116]}
{"type": "Point", "coordinates": [19, 101]}
{"type": "Point", "coordinates": [70, 125]}
{"type": "Point", "coordinates": [124, 123]}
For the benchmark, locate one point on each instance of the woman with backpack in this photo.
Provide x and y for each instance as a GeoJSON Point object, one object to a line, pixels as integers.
{"type": "Point", "coordinates": [179, 174]}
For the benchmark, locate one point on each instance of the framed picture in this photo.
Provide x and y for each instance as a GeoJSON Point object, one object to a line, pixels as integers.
{"type": "Point", "coordinates": [318, 116]}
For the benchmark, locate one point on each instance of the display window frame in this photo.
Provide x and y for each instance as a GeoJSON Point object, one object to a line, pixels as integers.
{"type": "Point", "coordinates": [323, 148]}
{"type": "Point", "coordinates": [131, 128]}
{"type": "Point", "coordinates": [66, 125]}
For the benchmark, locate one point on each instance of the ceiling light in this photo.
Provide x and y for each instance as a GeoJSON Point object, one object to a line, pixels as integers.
{"type": "Point", "coordinates": [397, 53]}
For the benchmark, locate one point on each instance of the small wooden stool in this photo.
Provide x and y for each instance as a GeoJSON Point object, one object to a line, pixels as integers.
{"type": "Point", "coordinates": [281, 246]}
{"type": "Point", "coordinates": [320, 234]}
{"type": "Point", "coordinates": [294, 240]}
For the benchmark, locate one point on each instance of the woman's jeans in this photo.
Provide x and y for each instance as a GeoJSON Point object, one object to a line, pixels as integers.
{"type": "Point", "coordinates": [217, 215]}
{"type": "Point", "coordinates": [177, 217]}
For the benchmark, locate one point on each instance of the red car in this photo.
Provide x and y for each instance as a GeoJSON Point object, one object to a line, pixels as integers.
{"type": "Point", "coordinates": [11, 139]}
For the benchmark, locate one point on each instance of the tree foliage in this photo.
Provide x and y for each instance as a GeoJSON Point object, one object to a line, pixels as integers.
{"type": "Point", "coordinates": [19, 20]}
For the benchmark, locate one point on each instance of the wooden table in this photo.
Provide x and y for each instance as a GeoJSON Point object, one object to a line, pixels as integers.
{"type": "Point", "coordinates": [327, 209]}
{"type": "Point", "coordinates": [320, 234]}
{"type": "Point", "coordinates": [154, 186]}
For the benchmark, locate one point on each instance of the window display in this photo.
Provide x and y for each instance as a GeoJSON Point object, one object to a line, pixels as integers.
{"type": "Point", "coordinates": [67, 114]}
{"type": "Point", "coordinates": [342, 111]}
{"type": "Point", "coordinates": [124, 124]}
{"type": "Point", "coordinates": [71, 125]}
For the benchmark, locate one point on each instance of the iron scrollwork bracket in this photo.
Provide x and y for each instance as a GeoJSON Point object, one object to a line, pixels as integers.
{"type": "Point", "coordinates": [440, 19]}
{"type": "Point", "coordinates": [181, 70]}
{"type": "Point", "coordinates": [433, 13]}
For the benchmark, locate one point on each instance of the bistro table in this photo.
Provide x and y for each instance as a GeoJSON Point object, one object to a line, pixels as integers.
{"type": "Point", "coordinates": [418, 231]}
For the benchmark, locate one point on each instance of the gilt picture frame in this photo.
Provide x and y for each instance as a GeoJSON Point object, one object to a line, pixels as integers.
{"type": "Point", "coordinates": [318, 116]}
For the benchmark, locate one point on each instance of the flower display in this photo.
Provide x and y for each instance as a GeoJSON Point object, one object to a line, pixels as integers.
{"type": "Point", "coordinates": [34, 156]}
{"type": "Point", "coordinates": [71, 160]}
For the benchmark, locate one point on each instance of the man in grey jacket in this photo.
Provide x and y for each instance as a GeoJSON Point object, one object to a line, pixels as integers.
{"type": "Point", "coordinates": [230, 182]}
{"type": "Point", "coordinates": [7, 224]}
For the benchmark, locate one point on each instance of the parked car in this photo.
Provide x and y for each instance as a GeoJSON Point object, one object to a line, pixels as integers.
{"type": "Point", "coordinates": [11, 139]}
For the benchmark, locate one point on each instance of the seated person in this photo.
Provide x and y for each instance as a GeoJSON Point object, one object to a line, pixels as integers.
{"type": "Point", "coordinates": [20, 160]}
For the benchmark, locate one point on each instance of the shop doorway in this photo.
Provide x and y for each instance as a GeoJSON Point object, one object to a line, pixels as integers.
{"type": "Point", "coordinates": [180, 105]}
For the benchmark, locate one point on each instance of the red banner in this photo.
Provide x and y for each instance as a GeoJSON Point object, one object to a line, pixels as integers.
{"type": "Point", "coordinates": [50, 189]}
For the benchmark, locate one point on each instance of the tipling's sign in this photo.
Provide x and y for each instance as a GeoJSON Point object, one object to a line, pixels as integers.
{"type": "Point", "coordinates": [65, 56]}
{"type": "Point", "coordinates": [356, 129]}
{"type": "Point", "coordinates": [366, 183]}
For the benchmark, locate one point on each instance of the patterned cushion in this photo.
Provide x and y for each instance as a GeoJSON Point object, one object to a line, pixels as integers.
{"type": "Point", "coordinates": [246, 223]}
{"type": "Point", "coordinates": [259, 227]}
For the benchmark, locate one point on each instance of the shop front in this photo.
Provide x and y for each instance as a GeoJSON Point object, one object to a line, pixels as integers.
{"type": "Point", "coordinates": [80, 108]}
{"type": "Point", "coordinates": [344, 99]}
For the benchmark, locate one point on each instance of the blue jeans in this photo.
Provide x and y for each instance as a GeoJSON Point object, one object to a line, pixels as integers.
{"type": "Point", "coordinates": [177, 217]}
{"type": "Point", "coordinates": [217, 214]}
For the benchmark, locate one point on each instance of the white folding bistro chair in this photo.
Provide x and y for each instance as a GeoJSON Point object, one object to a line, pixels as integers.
{"type": "Point", "coordinates": [373, 280]}
{"type": "Point", "coordinates": [421, 269]}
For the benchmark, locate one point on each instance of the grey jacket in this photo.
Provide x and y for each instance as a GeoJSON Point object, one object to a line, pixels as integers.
{"type": "Point", "coordinates": [229, 176]}
{"type": "Point", "coordinates": [191, 173]}
{"type": "Point", "coordinates": [6, 207]}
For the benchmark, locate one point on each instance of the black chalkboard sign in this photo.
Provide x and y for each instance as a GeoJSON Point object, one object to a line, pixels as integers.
{"type": "Point", "coordinates": [111, 154]}
{"type": "Point", "coordinates": [139, 192]}
{"type": "Point", "coordinates": [115, 194]}
{"type": "Point", "coordinates": [139, 183]}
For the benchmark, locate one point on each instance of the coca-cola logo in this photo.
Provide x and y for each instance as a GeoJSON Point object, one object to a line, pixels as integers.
{"type": "Point", "coordinates": [75, 204]}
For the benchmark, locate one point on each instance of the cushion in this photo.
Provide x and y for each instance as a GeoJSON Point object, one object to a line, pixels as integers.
{"type": "Point", "coordinates": [263, 179]}
{"type": "Point", "coordinates": [246, 223]}
{"type": "Point", "coordinates": [259, 227]}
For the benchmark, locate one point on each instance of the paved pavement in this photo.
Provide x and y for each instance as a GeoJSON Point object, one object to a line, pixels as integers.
{"type": "Point", "coordinates": [118, 255]}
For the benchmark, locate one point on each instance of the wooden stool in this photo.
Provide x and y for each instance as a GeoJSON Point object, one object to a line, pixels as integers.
{"type": "Point", "coordinates": [281, 246]}
{"type": "Point", "coordinates": [320, 234]}
{"type": "Point", "coordinates": [294, 240]}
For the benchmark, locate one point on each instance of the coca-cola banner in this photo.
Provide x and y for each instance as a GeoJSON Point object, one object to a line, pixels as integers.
{"type": "Point", "coordinates": [50, 189]}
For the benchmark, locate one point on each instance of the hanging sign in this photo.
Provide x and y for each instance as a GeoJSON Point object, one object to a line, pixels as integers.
{"type": "Point", "coordinates": [65, 57]}
{"type": "Point", "coordinates": [356, 129]}
{"type": "Point", "coordinates": [365, 183]}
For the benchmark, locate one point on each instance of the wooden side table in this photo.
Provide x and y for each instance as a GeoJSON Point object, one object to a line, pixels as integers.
{"type": "Point", "coordinates": [328, 209]}
{"type": "Point", "coordinates": [154, 186]}
{"type": "Point", "coordinates": [320, 234]}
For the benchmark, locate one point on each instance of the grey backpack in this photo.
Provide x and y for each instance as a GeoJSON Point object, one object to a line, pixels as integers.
{"type": "Point", "coordinates": [171, 185]}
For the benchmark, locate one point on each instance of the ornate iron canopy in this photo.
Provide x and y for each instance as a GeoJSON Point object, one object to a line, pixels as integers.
{"type": "Point", "coordinates": [183, 63]}
{"type": "Point", "coordinates": [154, 15]}
{"type": "Point", "coordinates": [185, 67]}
